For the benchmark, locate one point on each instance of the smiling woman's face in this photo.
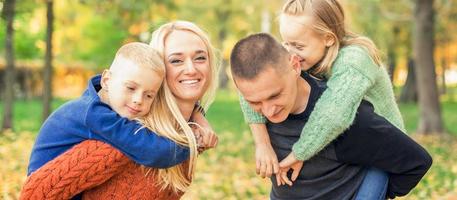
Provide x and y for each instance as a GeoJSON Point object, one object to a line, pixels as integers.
{"type": "Point", "coordinates": [187, 65]}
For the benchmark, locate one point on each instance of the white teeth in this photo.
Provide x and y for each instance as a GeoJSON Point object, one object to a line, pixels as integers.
{"type": "Point", "coordinates": [189, 81]}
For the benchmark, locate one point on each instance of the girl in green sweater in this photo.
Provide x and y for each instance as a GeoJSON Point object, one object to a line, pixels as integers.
{"type": "Point", "coordinates": [315, 31]}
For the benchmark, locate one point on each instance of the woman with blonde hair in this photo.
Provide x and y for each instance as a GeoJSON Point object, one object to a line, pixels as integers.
{"type": "Point", "coordinates": [105, 173]}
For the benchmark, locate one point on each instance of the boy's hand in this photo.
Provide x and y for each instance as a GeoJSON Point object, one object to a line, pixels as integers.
{"type": "Point", "coordinates": [266, 160]}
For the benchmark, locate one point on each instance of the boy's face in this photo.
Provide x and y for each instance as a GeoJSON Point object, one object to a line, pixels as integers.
{"type": "Point", "coordinates": [272, 93]}
{"type": "Point", "coordinates": [130, 88]}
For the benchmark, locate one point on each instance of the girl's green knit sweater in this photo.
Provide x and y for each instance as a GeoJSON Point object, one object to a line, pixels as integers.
{"type": "Point", "coordinates": [354, 76]}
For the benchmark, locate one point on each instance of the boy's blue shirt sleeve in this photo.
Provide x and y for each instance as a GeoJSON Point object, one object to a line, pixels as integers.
{"type": "Point", "coordinates": [138, 143]}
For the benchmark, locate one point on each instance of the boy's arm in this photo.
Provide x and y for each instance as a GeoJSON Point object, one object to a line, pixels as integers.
{"type": "Point", "coordinates": [374, 141]}
{"type": "Point", "coordinates": [266, 159]}
{"type": "Point", "coordinates": [138, 143]}
{"type": "Point", "coordinates": [84, 166]}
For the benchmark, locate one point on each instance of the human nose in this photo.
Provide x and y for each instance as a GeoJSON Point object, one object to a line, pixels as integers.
{"type": "Point", "coordinates": [137, 98]}
{"type": "Point", "coordinates": [190, 67]}
{"type": "Point", "coordinates": [268, 110]}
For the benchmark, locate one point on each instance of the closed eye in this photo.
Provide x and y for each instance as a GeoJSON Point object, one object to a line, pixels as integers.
{"type": "Point", "coordinates": [175, 61]}
{"type": "Point", "coordinates": [200, 59]}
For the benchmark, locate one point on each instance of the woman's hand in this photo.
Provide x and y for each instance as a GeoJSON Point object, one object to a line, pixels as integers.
{"type": "Point", "coordinates": [205, 136]}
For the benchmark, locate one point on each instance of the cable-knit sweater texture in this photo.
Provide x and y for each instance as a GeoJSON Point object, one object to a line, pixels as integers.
{"type": "Point", "coordinates": [354, 76]}
{"type": "Point", "coordinates": [98, 170]}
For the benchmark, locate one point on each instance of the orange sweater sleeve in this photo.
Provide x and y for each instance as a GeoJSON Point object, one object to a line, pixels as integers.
{"type": "Point", "coordinates": [84, 166]}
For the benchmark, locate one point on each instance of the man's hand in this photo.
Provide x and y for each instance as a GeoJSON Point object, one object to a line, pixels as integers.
{"type": "Point", "coordinates": [266, 160]}
{"type": "Point", "coordinates": [289, 163]}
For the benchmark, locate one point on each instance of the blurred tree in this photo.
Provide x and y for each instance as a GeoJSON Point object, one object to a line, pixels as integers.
{"type": "Point", "coordinates": [47, 70]}
{"type": "Point", "coordinates": [8, 15]}
{"type": "Point", "coordinates": [446, 20]}
{"type": "Point", "coordinates": [409, 91]}
{"type": "Point", "coordinates": [430, 120]}
{"type": "Point", "coordinates": [227, 21]}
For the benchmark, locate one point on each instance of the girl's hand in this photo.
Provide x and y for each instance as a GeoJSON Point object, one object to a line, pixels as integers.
{"type": "Point", "coordinates": [289, 163]}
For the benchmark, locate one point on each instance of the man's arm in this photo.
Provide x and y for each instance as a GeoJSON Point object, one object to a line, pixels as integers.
{"type": "Point", "coordinates": [138, 143]}
{"type": "Point", "coordinates": [374, 141]}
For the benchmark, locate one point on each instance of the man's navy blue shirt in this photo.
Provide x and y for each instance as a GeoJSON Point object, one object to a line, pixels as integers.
{"type": "Point", "coordinates": [89, 118]}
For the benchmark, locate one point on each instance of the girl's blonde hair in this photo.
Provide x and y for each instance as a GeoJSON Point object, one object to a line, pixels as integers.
{"type": "Point", "coordinates": [165, 117]}
{"type": "Point", "coordinates": [328, 16]}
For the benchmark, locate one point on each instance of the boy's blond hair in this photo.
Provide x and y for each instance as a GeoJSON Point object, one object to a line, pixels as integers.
{"type": "Point", "coordinates": [142, 55]}
{"type": "Point", "coordinates": [328, 16]}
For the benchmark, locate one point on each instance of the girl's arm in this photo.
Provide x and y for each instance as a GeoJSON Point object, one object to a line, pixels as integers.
{"type": "Point", "coordinates": [84, 166]}
{"type": "Point", "coordinates": [335, 110]}
{"type": "Point", "coordinates": [266, 159]}
{"type": "Point", "coordinates": [250, 115]}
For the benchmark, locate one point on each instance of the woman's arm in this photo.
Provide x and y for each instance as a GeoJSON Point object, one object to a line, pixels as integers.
{"type": "Point", "coordinates": [84, 166]}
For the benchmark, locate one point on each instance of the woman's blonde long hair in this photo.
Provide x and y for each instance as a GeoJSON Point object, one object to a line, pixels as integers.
{"type": "Point", "coordinates": [328, 16]}
{"type": "Point", "coordinates": [165, 117]}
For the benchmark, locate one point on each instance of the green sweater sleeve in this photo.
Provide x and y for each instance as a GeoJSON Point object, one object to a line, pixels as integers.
{"type": "Point", "coordinates": [250, 116]}
{"type": "Point", "coordinates": [335, 110]}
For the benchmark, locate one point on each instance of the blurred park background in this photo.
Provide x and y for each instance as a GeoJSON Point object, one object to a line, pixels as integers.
{"type": "Point", "coordinates": [42, 66]}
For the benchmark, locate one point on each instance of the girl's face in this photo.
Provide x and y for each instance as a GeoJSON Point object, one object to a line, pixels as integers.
{"type": "Point", "coordinates": [187, 65]}
{"type": "Point", "coordinates": [301, 39]}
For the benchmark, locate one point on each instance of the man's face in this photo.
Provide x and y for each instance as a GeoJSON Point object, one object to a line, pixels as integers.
{"type": "Point", "coordinates": [272, 93]}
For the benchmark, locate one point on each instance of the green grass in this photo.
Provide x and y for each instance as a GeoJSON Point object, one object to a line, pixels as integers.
{"type": "Point", "coordinates": [27, 114]}
{"type": "Point", "coordinates": [410, 113]}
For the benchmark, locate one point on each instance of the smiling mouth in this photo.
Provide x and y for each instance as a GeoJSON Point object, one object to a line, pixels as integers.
{"type": "Point", "coordinates": [190, 81]}
{"type": "Point", "coordinates": [133, 110]}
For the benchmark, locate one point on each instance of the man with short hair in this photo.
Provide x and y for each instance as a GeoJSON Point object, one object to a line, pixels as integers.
{"type": "Point", "coordinates": [271, 81]}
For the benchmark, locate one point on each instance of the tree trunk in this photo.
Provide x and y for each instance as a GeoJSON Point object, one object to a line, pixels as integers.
{"type": "Point", "coordinates": [47, 70]}
{"type": "Point", "coordinates": [430, 114]}
{"type": "Point", "coordinates": [223, 16]}
{"type": "Point", "coordinates": [392, 63]}
{"type": "Point", "coordinates": [443, 75]}
{"type": "Point", "coordinates": [409, 91]}
{"type": "Point", "coordinates": [8, 15]}
{"type": "Point", "coordinates": [392, 53]}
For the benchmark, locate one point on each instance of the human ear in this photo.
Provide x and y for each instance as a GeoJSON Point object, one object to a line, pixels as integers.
{"type": "Point", "coordinates": [329, 40]}
{"type": "Point", "coordinates": [106, 76]}
{"type": "Point", "coordinates": [295, 63]}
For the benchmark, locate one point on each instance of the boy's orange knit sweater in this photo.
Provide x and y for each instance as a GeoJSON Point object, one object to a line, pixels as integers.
{"type": "Point", "coordinates": [97, 169]}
